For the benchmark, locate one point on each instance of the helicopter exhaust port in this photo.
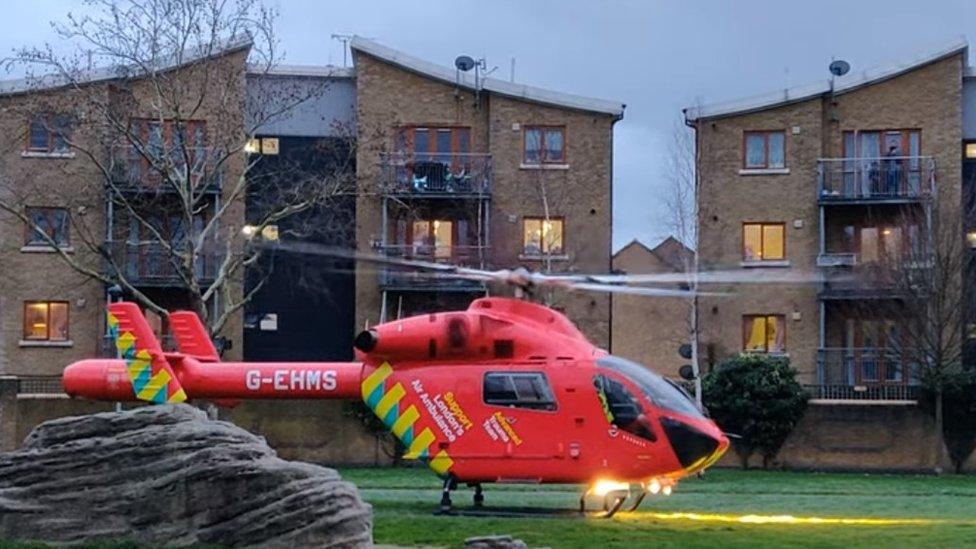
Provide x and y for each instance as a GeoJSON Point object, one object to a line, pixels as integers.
{"type": "Point", "coordinates": [366, 340]}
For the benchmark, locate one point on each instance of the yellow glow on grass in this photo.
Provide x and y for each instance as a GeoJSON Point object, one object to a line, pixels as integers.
{"type": "Point", "coordinates": [788, 519]}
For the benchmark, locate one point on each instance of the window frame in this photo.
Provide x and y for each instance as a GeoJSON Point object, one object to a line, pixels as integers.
{"type": "Point", "coordinates": [47, 339]}
{"type": "Point", "coordinates": [551, 405]}
{"type": "Point", "coordinates": [765, 135]}
{"type": "Point", "coordinates": [762, 241]}
{"type": "Point", "coordinates": [29, 230]}
{"type": "Point", "coordinates": [543, 253]}
{"type": "Point", "coordinates": [49, 120]}
{"type": "Point", "coordinates": [747, 321]}
{"type": "Point", "coordinates": [543, 161]}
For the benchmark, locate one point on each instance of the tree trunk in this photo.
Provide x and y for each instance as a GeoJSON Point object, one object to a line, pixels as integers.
{"type": "Point", "coordinates": [940, 434]}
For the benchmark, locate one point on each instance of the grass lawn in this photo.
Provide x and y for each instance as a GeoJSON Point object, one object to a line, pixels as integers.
{"type": "Point", "coordinates": [939, 512]}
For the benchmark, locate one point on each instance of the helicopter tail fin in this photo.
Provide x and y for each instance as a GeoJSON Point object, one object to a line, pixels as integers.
{"type": "Point", "coordinates": [152, 378]}
{"type": "Point", "coordinates": [191, 337]}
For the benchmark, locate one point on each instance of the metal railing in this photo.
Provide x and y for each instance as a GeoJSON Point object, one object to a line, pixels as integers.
{"type": "Point", "coordinates": [876, 179]}
{"type": "Point", "coordinates": [847, 276]}
{"type": "Point", "coordinates": [865, 373]}
{"type": "Point", "coordinates": [836, 259]}
{"type": "Point", "coordinates": [39, 385]}
{"type": "Point", "coordinates": [466, 256]}
{"type": "Point", "coordinates": [157, 170]}
{"type": "Point", "coordinates": [152, 263]}
{"type": "Point", "coordinates": [436, 174]}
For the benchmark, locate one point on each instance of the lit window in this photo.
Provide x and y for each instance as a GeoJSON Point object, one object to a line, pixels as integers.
{"type": "Point", "coordinates": [52, 222]}
{"type": "Point", "coordinates": [46, 321]}
{"type": "Point", "coordinates": [970, 150]}
{"type": "Point", "coordinates": [542, 236]}
{"type": "Point", "coordinates": [763, 333]}
{"type": "Point", "coordinates": [765, 149]}
{"type": "Point", "coordinates": [269, 145]}
{"type": "Point", "coordinates": [433, 238]}
{"type": "Point", "coordinates": [49, 133]}
{"type": "Point", "coordinates": [971, 239]}
{"type": "Point", "coordinates": [763, 241]}
{"type": "Point", "coordinates": [253, 146]}
{"type": "Point", "coordinates": [544, 145]}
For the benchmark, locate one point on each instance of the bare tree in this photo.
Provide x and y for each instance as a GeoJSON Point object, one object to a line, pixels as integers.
{"type": "Point", "coordinates": [164, 129]}
{"type": "Point", "coordinates": [924, 269]}
{"type": "Point", "coordinates": [681, 201]}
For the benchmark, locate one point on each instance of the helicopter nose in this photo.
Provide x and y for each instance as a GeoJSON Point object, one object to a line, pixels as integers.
{"type": "Point", "coordinates": [694, 448]}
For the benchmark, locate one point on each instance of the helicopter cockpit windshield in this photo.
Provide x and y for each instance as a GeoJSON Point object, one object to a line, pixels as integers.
{"type": "Point", "coordinates": [660, 391]}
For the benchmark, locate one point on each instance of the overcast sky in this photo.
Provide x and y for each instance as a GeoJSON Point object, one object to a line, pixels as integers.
{"type": "Point", "coordinates": [657, 57]}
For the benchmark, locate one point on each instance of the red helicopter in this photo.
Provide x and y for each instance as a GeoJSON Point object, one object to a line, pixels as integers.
{"type": "Point", "coordinates": [506, 391]}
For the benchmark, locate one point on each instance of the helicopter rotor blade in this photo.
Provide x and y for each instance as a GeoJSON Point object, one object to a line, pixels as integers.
{"type": "Point", "coordinates": [638, 290]}
{"type": "Point", "coordinates": [757, 275]}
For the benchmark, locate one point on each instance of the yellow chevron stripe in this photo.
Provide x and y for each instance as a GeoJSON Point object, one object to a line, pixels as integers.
{"type": "Point", "coordinates": [156, 383]}
{"type": "Point", "coordinates": [178, 396]}
{"type": "Point", "coordinates": [375, 378]}
{"type": "Point", "coordinates": [423, 440]}
{"type": "Point", "coordinates": [405, 421]}
{"type": "Point", "coordinates": [441, 462]}
{"type": "Point", "coordinates": [125, 341]}
{"type": "Point", "coordinates": [137, 365]}
{"type": "Point", "coordinates": [389, 399]}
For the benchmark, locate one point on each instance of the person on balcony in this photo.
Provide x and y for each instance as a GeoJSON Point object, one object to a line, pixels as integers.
{"type": "Point", "coordinates": [893, 170]}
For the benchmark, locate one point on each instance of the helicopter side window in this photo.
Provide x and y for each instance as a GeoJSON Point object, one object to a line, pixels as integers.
{"type": "Point", "coordinates": [622, 408]}
{"type": "Point", "coordinates": [519, 390]}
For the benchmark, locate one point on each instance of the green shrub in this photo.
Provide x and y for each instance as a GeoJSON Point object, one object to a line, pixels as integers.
{"type": "Point", "coordinates": [758, 398]}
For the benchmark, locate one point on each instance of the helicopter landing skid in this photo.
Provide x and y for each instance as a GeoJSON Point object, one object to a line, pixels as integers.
{"type": "Point", "coordinates": [612, 502]}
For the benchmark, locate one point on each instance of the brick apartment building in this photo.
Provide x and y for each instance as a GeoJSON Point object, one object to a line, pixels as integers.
{"type": "Point", "coordinates": [815, 180]}
{"type": "Point", "coordinates": [472, 170]}
{"type": "Point", "coordinates": [480, 172]}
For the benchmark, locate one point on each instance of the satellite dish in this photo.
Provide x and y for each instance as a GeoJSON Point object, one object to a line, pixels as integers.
{"type": "Point", "coordinates": [839, 67]}
{"type": "Point", "coordinates": [464, 63]}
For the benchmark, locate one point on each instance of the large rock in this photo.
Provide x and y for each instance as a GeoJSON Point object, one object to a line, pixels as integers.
{"type": "Point", "coordinates": [167, 474]}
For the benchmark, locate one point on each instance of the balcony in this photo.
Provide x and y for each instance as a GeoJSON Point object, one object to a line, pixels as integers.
{"type": "Point", "coordinates": [436, 175]}
{"type": "Point", "coordinates": [882, 180]}
{"type": "Point", "coordinates": [152, 264]}
{"type": "Point", "coordinates": [394, 279]}
{"type": "Point", "coordinates": [869, 374]}
{"type": "Point", "coordinates": [131, 172]}
{"type": "Point", "coordinates": [846, 276]}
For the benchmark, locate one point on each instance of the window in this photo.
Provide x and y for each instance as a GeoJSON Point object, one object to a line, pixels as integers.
{"type": "Point", "coordinates": [662, 392]}
{"type": "Point", "coordinates": [52, 222]}
{"type": "Point", "coordinates": [519, 390]}
{"type": "Point", "coordinates": [46, 321]}
{"type": "Point", "coordinates": [763, 241]}
{"type": "Point", "coordinates": [432, 238]}
{"type": "Point", "coordinates": [764, 333]}
{"type": "Point", "coordinates": [49, 133]}
{"type": "Point", "coordinates": [542, 236]}
{"type": "Point", "coordinates": [766, 149]}
{"type": "Point", "coordinates": [622, 408]}
{"type": "Point", "coordinates": [544, 145]}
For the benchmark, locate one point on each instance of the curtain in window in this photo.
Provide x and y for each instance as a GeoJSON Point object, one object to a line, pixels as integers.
{"type": "Point", "coordinates": [554, 146]}
{"type": "Point", "coordinates": [755, 151]}
{"type": "Point", "coordinates": [777, 150]}
{"type": "Point", "coordinates": [533, 146]}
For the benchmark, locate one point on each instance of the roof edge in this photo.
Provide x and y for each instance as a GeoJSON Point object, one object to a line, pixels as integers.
{"type": "Point", "coordinates": [320, 71]}
{"type": "Point", "coordinates": [501, 87]}
{"type": "Point", "coordinates": [842, 85]}
{"type": "Point", "coordinates": [50, 82]}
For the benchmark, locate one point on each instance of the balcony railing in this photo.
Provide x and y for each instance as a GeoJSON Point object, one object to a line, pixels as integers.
{"type": "Point", "coordinates": [865, 373]}
{"type": "Point", "coordinates": [436, 174]}
{"type": "Point", "coordinates": [848, 277]}
{"type": "Point", "coordinates": [882, 179]}
{"type": "Point", "coordinates": [131, 171]}
{"type": "Point", "coordinates": [152, 264]}
{"type": "Point", "coordinates": [39, 385]}
{"type": "Point", "coordinates": [392, 278]}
